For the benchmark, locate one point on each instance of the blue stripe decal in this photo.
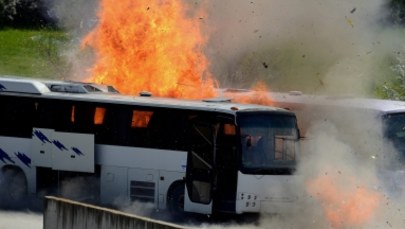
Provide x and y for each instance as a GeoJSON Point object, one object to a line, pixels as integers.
{"type": "Point", "coordinates": [41, 136]}
{"type": "Point", "coordinates": [2, 87]}
{"type": "Point", "coordinates": [24, 159]}
{"type": "Point", "coordinates": [4, 156]}
{"type": "Point", "coordinates": [77, 151]}
{"type": "Point", "coordinates": [60, 146]}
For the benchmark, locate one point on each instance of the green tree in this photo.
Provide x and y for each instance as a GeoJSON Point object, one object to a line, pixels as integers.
{"type": "Point", "coordinates": [396, 15]}
{"type": "Point", "coordinates": [24, 14]}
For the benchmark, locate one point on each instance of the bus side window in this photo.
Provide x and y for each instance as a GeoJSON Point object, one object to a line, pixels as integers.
{"type": "Point", "coordinates": [62, 119]}
{"type": "Point", "coordinates": [55, 115]}
{"type": "Point", "coordinates": [117, 125]}
{"type": "Point", "coordinates": [83, 118]}
{"type": "Point", "coordinates": [167, 130]}
{"type": "Point", "coordinates": [45, 115]}
{"type": "Point", "coordinates": [17, 116]}
{"type": "Point", "coordinates": [99, 122]}
{"type": "Point", "coordinates": [139, 126]}
{"type": "Point", "coordinates": [226, 145]}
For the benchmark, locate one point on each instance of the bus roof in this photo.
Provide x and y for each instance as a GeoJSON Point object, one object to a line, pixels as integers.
{"type": "Point", "coordinates": [378, 105]}
{"type": "Point", "coordinates": [79, 91]}
{"type": "Point", "coordinates": [297, 98]}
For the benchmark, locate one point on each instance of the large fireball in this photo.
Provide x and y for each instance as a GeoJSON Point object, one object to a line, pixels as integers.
{"type": "Point", "coordinates": [154, 46]}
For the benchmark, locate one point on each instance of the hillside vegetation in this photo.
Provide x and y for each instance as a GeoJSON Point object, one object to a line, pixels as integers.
{"type": "Point", "coordinates": [32, 53]}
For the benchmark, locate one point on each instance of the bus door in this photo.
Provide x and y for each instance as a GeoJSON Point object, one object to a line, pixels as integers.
{"type": "Point", "coordinates": [200, 172]}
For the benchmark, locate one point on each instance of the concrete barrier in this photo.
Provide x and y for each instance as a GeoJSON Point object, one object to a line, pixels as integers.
{"type": "Point", "coordinates": [62, 213]}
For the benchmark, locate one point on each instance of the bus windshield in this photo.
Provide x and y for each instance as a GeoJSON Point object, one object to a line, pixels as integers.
{"type": "Point", "coordinates": [269, 142]}
{"type": "Point", "coordinates": [395, 132]}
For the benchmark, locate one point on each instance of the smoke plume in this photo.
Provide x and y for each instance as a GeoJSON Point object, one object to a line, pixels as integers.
{"type": "Point", "coordinates": [313, 46]}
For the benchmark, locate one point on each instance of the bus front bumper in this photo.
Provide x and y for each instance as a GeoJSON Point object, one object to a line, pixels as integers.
{"type": "Point", "coordinates": [250, 203]}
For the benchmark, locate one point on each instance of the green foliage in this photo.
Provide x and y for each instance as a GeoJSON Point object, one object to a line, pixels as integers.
{"type": "Point", "coordinates": [33, 53]}
{"type": "Point", "coordinates": [396, 13]}
{"type": "Point", "coordinates": [393, 87]}
{"type": "Point", "coordinates": [24, 14]}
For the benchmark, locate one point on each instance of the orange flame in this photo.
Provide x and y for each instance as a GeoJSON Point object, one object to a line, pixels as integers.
{"type": "Point", "coordinates": [153, 46]}
{"type": "Point", "coordinates": [258, 95]}
{"type": "Point", "coordinates": [345, 205]}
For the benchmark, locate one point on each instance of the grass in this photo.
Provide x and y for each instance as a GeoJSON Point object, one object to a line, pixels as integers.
{"type": "Point", "coordinates": [33, 53]}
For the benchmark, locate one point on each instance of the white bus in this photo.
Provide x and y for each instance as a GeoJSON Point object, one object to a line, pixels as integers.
{"type": "Point", "coordinates": [186, 156]}
{"type": "Point", "coordinates": [373, 128]}
{"type": "Point", "coordinates": [366, 124]}
{"type": "Point", "coordinates": [359, 119]}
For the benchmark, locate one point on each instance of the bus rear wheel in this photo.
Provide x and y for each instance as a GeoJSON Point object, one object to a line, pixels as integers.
{"type": "Point", "coordinates": [175, 200]}
{"type": "Point", "coordinates": [13, 188]}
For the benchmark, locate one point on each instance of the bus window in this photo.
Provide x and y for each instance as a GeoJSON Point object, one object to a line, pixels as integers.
{"type": "Point", "coordinates": [102, 125]}
{"type": "Point", "coordinates": [17, 116]}
{"type": "Point", "coordinates": [99, 115]}
{"type": "Point", "coordinates": [226, 162]}
{"type": "Point", "coordinates": [61, 115]}
{"type": "Point", "coordinates": [140, 119]}
{"type": "Point", "coordinates": [200, 160]}
{"type": "Point", "coordinates": [167, 129]}
{"type": "Point", "coordinates": [139, 126]}
{"type": "Point", "coordinates": [83, 118]}
{"type": "Point", "coordinates": [268, 141]}
{"type": "Point", "coordinates": [394, 125]}
{"type": "Point", "coordinates": [117, 125]}
{"type": "Point", "coordinates": [72, 115]}
{"type": "Point", "coordinates": [229, 129]}
{"type": "Point", "coordinates": [226, 145]}
{"type": "Point", "coordinates": [284, 148]}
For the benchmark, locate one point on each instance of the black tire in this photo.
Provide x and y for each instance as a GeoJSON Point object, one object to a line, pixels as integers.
{"type": "Point", "coordinates": [13, 188]}
{"type": "Point", "coordinates": [175, 200]}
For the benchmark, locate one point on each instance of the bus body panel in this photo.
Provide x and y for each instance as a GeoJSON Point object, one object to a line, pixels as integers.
{"type": "Point", "coordinates": [113, 184]}
{"type": "Point", "coordinates": [73, 152]}
{"type": "Point", "coordinates": [136, 173]}
{"type": "Point", "coordinates": [17, 152]}
{"type": "Point", "coordinates": [272, 193]}
{"type": "Point", "coordinates": [190, 206]}
{"type": "Point", "coordinates": [42, 147]}
{"type": "Point", "coordinates": [63, 150]}
{"type": "Point", "coordinates": [166, 178]}
{"type": "Point", "coordinates": [143, 185]}
{"type": "Point", "coordinates": [146, 158]}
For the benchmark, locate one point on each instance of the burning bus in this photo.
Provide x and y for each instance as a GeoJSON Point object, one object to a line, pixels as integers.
{"type": "Point", "coordinates": [354, 117]}
{"type": "Point", "coordinates": [206, 157]}
{"type": "Point", "coordinates": [373, 128]}
{"type": "Point", "coordinates": [361, 121]}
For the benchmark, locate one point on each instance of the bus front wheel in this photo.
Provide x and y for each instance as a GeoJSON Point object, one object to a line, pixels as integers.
{"type": "Point", "coordinates": [175, 200]}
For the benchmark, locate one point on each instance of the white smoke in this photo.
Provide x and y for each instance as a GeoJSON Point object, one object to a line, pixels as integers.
{"type": "Point", "coordinates": [80, 188]}
{"type": "Point", "coordinates": [314, 46]}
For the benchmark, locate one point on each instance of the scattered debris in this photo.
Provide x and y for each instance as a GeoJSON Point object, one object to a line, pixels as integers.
{"type": "Point", "coordinates": [353, 10]}
{"type": "Point", "coordinates": [349, 21]}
